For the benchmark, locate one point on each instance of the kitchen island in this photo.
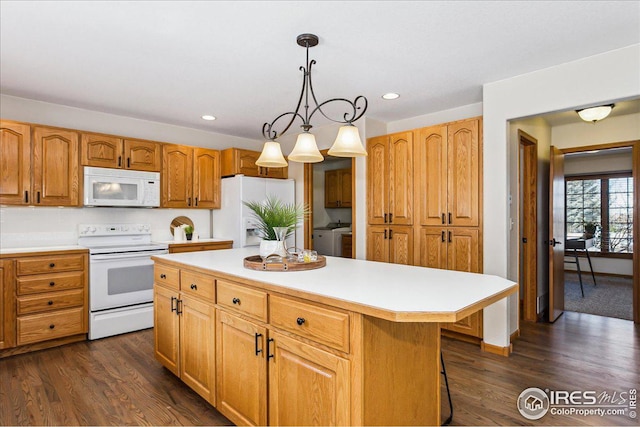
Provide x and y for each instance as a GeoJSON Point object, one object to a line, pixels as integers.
{"type": "Point", "coordinates": [353, 343]}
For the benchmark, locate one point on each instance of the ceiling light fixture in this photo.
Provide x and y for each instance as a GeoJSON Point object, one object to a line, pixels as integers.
{"type": "Point", "coordinates": [390, 95]}
{"type": "Point", "coordinates": [208, 117]}
{"type": "Point", "coordinates": [594, 114]}
{"type": "Point", "coordinates": [347, 143]}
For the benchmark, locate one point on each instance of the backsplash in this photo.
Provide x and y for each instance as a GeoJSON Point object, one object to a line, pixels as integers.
{"type": "Point", "coordinates": [22, 227]}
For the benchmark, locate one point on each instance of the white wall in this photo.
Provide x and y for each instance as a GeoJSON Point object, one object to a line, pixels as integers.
{"type": "Point", "coordinates": [321, 215]}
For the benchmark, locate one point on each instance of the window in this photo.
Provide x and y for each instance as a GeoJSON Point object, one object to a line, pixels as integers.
{"type": "Point", "coordinates": [604, 200]}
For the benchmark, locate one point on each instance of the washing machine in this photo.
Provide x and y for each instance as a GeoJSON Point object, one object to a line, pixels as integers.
{"type": "Point", "coordinates": [328, 241]}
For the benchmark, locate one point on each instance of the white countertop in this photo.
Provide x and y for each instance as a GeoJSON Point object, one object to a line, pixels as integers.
{"type": "Point", "coordinates": [392, 288]}
{"type": "Point", "coordinates": [7, 251]}
{"type": "Point", "coordinates": [200, 240]}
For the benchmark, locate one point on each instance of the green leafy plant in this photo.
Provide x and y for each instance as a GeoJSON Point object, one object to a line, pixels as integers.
{"type": "Point", "coordinates": [590, 228]}
{"type": "Point", "coordinates": [274, 213]}
{"type": "Point", "coordinates": [188, 229]}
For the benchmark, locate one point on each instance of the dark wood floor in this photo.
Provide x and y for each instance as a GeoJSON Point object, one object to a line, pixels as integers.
{"type": "Point", "coordinates": [116, 381]}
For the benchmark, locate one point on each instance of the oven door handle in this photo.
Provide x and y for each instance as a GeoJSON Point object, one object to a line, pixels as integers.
{"type": "Point", "coordinates": [110, 257]}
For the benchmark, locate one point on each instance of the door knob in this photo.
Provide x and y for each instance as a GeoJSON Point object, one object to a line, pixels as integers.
{"type": "Point", "coordinates": [554, 242]}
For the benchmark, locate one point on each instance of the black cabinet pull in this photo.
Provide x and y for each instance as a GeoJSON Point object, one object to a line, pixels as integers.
{"type": "Point", "coordinates": [258, 351]}
{"type": "Point", "coordinates": [385, 218]}
{"type": "Point", "coordinates": [50, 302]}
{"type": "Point", "coordinates": [443, 238]}
{"type": "Point", "coordinates": [194, 287]}
{"type": "Point", "coordinates": [449, 217]}
{"type": "Point", "coordinates": [38, 197]}
{"type": "Point", "coordinates": [52, 265]}
{"type": "Point", "coordinates": [179, 306]}
{"type": "Point", "coordinates": [163, 276]}
{"type": "Point", "coordinates": [52, 283]}
{"type": "Point", "coordinates": [196, 201]}
{"type": "Point", "coordinates": [173, 299]}
{"type": "Point", "coordinates": [119, 161]}
{"type": "Point", "coordinates": [390, 234]}
{"type": "Point", "coordinates": [128, 162]}
{"type": "Point", "coordinates": [269, 354]}
{"type": "Point", "coordinates": [390, 218]}
{"type": "Point", "coordinates": [449, 237]}
{"type": "Point", "coordinates": [236, 300]}
{"type": "Point", "coordinates": [189, 201]}
{"type": "Point", "coordinates": [300, 320]}
{"type": "Point", "coordinates": [443, 220]}
{"type": "Point", "coordinates": [385, 233]}
{"type": "Point", "coordinates": [52, 326]}
{"type": "Point", "coordinates": [26, 197]}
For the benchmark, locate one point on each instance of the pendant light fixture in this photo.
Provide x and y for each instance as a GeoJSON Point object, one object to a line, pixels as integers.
{"type": "Point", "coordinates": [347, 143]}
{"type": "Point", "coordinates": [594, 114]}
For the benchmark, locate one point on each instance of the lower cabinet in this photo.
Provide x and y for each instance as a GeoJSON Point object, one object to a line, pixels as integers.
{"type": "Point", "coordinates": [7, 304]}
{"type": "Point", "coordinates": [393, 243]}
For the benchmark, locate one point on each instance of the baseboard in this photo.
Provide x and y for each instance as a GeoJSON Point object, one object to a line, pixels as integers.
{"type": "Point", "coordinates": [623, 276]}
{"type": "Point", "coordinates": [27, 348]}
{"type": "Point", "coordinates": [515, 335]}
{"type": "Point", "coordinates": [494, 349]}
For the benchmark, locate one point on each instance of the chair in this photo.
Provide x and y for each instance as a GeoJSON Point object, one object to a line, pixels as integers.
{"type": "Point", "coordinates": [580, 245]}
{"type": "Point", "coordinates": [446, 382]}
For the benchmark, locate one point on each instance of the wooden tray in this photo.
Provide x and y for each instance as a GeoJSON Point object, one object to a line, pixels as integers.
{"type": "Point", "coordinates": [255, 263]}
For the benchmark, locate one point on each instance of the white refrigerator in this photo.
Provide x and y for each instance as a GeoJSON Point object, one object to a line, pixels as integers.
{"type": "Point", "coordinates": [234, 221]}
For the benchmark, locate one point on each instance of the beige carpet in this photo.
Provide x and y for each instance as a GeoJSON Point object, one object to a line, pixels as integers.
{"type": "Point", "coordinates": [612, 297]}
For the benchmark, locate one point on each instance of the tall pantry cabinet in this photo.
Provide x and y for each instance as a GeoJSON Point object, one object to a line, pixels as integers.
{"type": "Point", "coordinates": [424, 201]}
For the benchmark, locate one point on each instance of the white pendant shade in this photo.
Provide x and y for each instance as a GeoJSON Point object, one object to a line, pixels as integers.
{"type": "Point", "coordinates": [347, 143]}
{"type": "Point", "coordinates": [306, 149]}
{"type": "Point", "coordinates": [271, 156]}
{"type": "Point", "coordinates": [595, 113]}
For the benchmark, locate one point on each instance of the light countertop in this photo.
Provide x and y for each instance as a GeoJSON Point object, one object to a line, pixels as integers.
{"type": "Point", "coordinates": [392, 291]}
{"type": "Point", "coordinates": [18, 251]}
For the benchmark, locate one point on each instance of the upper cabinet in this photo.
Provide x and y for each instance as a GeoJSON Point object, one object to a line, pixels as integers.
{"type": "Point", "coordinates": [39, 165]}
{"type": "Point", "coordinates": [337, 188]}
{"type": "Point", "coordinates": [112, 152]}
{"type": "Point", "coordinates": [448, 160]}
{"type": "Point", "coordinates": [237, 161]}
{"type": "Point", "coordinates": [190, 177]}
{"type": "Point", "coordinates": [390, 179]}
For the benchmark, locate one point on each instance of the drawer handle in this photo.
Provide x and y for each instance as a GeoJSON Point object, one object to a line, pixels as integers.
{"type": "Point", "coordinates": [258, 350]}
{"type": "Point", "coordinates": [52, 265]}
{"type": "Point", "coordinates": [52, 326]}
{"type": "Point", "coordinates": [50, 302]}
{"type": "Point", "coordinates": [300, 320]}
{"type": "Point", "coordinates": [174, 299]}
{"type": "Point", "coordinates": [194, 287]}
{"type": "Point", "coordinates": [52, 283]}
{"type": "Point", "coordinates": [236, 300]}
{"type": "Point", "coordinates": [269, 354]}
{"type": "Point", "coordinates": [163, 276]}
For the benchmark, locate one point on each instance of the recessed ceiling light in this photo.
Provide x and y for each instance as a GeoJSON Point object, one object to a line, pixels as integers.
{"type": "Point", "coordinates": [208, 117]}
{"type": "Point", "coordinates": [390, 95]}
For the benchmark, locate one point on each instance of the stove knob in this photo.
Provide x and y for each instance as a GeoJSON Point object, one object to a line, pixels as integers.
{"type": "Point", "coordinates": [92, 229]}
{"type": "Point", "coordinates": [84, 230]}
{"type": "Point", "coordinates": [125, 228]}
{"type": "Point", "coordinates": [146, 228]}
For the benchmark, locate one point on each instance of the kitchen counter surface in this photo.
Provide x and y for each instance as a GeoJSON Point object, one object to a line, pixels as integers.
{"type": "Point", "coordinates": [6, 252]}
{"type": "Point", "coordinates": [389, 291]}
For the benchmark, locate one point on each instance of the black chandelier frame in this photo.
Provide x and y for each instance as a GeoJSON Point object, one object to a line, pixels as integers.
{"type": "Point", "coordinates": [351, 115]}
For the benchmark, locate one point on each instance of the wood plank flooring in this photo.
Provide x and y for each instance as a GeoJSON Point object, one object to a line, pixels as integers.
{"type": "Point", "coordinates": [116, 381]}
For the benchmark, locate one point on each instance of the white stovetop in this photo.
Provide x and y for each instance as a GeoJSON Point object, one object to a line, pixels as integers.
{"type": "Point", "coordinates": [389, 287]}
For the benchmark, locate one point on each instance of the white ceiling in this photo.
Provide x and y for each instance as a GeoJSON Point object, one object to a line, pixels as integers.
{"type": "Point", "coordinates": [175, 61]}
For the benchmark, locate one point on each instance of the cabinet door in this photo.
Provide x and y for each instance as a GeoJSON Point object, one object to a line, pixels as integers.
{"type": "Point", "coordinates": [197, 340]}
{"type": "Point", "coordinates": [55, 167]}
{"type": "Point", "coordinates": [377, 243]}
{"type": "Point", "coordinates": [331, 189]}
{"type": "Point", "coordinates": [15, 164]}
{"type": "Point", "coordinates": [279, 173]}
{"type": "Point", "coordinates": [241, 370]}
{"type": "Point", "coordinates": [206, 178]}
{"type": "Point", "coordinates": [307, 386]}
{"type": "Point", "coordinates": [401, 245]}
{"type": "Point", "coordinates": [431, 163]}
{"type": "Point", "coordinates": [142, 155]}
{"type": "Point", "coordinates": [345, 190]}
{"type": "Point", "coordinates": [464, 173]}
{"type": "Point", "coordinates": [377, 180]}
{"type": "Point", "coordinates": [7, 306]}
{"type": "Point", "coordinates": [101, 150]}
{"type": "Point", "coordinates": [433, 247]}
{"type": "Point", "coordinates": [463, 252]}
{"type": "Point", "coordinates": [177, 176]}
{"type": "Point", "coordinates": [246, 162]}
{"type": "Point", "coordinates": [400, 179]}
{"type": "Point", "coordinates": [166, 328]}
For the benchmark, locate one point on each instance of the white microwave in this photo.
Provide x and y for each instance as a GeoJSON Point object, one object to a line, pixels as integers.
{"type": "Point", "coordinates": [121, 188]}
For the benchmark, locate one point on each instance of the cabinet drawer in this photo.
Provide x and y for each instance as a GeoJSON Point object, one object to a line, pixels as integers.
{"type": "Point", "coordinates": [241, 299]}
{"type": "Point", "coordinates": [50, 301]}
{"type": "Point", "coordinates": [50, 282]}
{"type": "Point", "coordinates": [53, 264]}
{"type": "Point", "coordinates": [47, 326]}
{"type": "Point", "coordinates": [167, 276]}
{"type": "Point", "coordinates": [324, 325]}
{"type": "Point", "coordinates": [198, 285]}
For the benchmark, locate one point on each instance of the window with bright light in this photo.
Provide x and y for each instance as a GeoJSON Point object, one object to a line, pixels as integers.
{"type": "Point", "coordinates": [605, 201]}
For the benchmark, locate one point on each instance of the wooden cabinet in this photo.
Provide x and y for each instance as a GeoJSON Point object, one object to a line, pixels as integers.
{"type": "Point", "coordinates": [347, 246]}
{"type": "Point", "coordinates": [197, 246]}
{"type": "Point", "coordinates": [109, 151]}
{"type": "Point", "coordinates": [238, 161]}
{"type": "Point", "coordinates": [390, 244]}
{"type": "Point", "coordinates": [448, 161]}
{"type": "Point", "coordinates": [190, 177]}
{"type": "Point", "coordinates": [39, 165]}
{"type": "Point", "coordinates": [184, 327]}
{"type": "Point", "coordinates": [7, 305]}
{"type": "Point", "coordinates": [390, 179]}
{"type": "Point", "coordinates": [338, 188]}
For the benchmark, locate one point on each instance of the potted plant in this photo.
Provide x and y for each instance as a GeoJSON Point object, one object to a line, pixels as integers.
{"type": "Point", "coordinates": [188, 231]}
{"type": "Point", "coordinates": [590, 230]}
{"type": "Point", "coordinates": [276, 221]}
